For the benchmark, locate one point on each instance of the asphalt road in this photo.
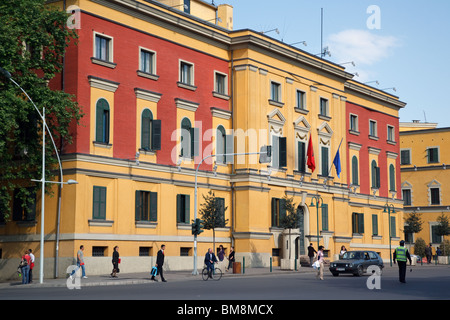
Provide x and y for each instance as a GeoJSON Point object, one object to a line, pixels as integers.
{"type": "Point", "coordinates": [422, 284]}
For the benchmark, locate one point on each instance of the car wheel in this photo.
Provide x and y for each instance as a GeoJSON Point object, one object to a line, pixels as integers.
{"type": "Point", "coordinates": [359, 271]}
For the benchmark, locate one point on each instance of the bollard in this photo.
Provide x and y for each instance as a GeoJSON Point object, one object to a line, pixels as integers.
{"type": "Point", "coordinates": [270, 264]}
{"type": "Point", "coordinates": [295, 264]}
{"type": "Point", "coordinates": [243, 264]}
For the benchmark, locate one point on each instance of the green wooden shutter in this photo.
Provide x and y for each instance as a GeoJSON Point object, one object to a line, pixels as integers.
{"type": "Point", "coordinates": [179, 208]}
{"type": "Point", "coordinates": [301, 156]}
{"type": "Point", "coordinates": [361, 223]}
{"type": "Point", "coordinates": [355, 175]}
{"type": "Point", "coordinates": [153, 206]}
{"type": "Point", "coordinates": [156, 135]}
{"type": "Point", "coordinates": [274, 211]}
{"type": "Point", "coordinates": [325, 217]}
{"type": "Point", "coordinates": [99, 203]}
{"type": "Point", "coordinates": [145, 130]}
{"type": "Point", "coordinates": [324, 161]}
{"type": "Point", "coordinates": [282, 162]}
{"type": "Point", "coordinates": [195, 142]}
{"type": "Point", "coordinates": [374, 224]}
{"type": "Point", "coordinates": [138, 205]}
{"type": "Point", "coordinates": [282, 208]}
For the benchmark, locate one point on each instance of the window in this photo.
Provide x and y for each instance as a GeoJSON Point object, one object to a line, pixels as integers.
{"type": "Point", "coordinates": [435, 195]}
{"type": "Point", "coordinates": [301, 100]}
{"type": "Point", "coordinates": [24, 209]}
{"type": "Point", "coordinates": [355, 171]}
{"type": "Point", "coordinates": [358, 222]}
{"type": "Point", "coordinates": [187, 73]}
{"type": "Point", "coordinates": [183, 208]}
{"type": "Point", "coordinates": [189, 139]}
{"type": "Point", "coordinates": [150, 132]}
{"type": "Point", "coordinates": [147, 61]}
{"type": "Point", "coordinates": [324, 161]}
{"type": "Point", "coordinates": [406, 193]}
{"type": "Point", "coordinates": [301, 156]}
{"type": "Point", "coordinates": [103, 48]}
{"type": "Point", "coordinates": [373, 128]}
{"type": "Point", "coordinates": [433, 155]}
{"type": "Point", "coordinates": [353, 123]}
{"type": "Point", "coordinates": [278, 211]}
{"type": "Point", "coordinates": [393, 227]}
{"type": "Point", "coordinates": [187, 6]}
{"type": "Point", "coordinates": [324, 107]}
{"type": "Point", "coordinates": [99, 203]}
{"type": "Point", "coordinates": [374, 225]}
{"type": "Point", "coordinates": [102, 121]}
{"type": "Point", "coordinates": [98, 251]}
{"type": "Point", "coordinates": [392, 178]}
{"type": "Point", "coordinates": [390, 134]}
{"type": "Point", "coordinates": [324, 217]}
{"type": "Point", "coordinates": [434, 237]}
{"type": "Point", "coordinates": [221, 83]}
{"type": "Point", "coordinates": [375, 175]}
{"type": "Point", "coordinates": [221, 148]}
{"type": "Point", "coordinates": [146, 206]}
{"type": "Point", "coordinates": [275, 91]}
{"type": "Point", "coordinates": [405, 156]}
{"type": "Point", "coordinates": [278, 152]}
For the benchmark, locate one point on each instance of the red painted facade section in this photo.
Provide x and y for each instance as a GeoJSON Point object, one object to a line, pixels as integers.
{"type": "Point", "coordinates": [126, 42]}
{"type": "Point", "coordinates": [383, 120]}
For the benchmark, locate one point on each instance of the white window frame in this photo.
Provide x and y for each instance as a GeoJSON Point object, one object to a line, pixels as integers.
{"type": "Point", "coordinates": [110, 46]}
{"type": "Point", "coordinates": [297, 100]}
{"type": "Point", "coordinates": [389, 127]}
{"type": "Point", "coordinates": [278, 91]}
{"type": "Point", "coordinates": [225, 84]}
{"type": "Point", "coordinates": [327, 106]}
{"type": "Point", "coordinates": [191, 75]}
{"type": "Point", "coordinates": [375, 126]}
{"type": "Point", "coordinates": [356, 129]}
{"type": "Point", "coordinates": [153, 60]}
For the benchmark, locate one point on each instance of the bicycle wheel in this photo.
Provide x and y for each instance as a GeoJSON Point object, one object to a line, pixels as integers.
{"type": "Point", "coordinates": [205, 274]}
{"type": "Point", "coordinates": [217, 274]}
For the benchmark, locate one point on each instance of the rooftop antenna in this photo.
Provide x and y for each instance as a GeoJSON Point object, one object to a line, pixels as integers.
{"type": "Point", "coordinates": [321, 33]}
{"type": "Point", "coordinates": [425, 116]}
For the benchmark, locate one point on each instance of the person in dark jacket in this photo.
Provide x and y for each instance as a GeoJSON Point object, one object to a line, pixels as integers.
{"type": "Point", "coordinates": [160, 263]}
{"type": "Point", "coordinates": [311, 252]}
{"type": "Point", "coordinates": [115, 262]}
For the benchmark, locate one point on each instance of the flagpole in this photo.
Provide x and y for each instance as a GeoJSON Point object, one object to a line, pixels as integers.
{"type": "Point", "coordinates": [332, 163]}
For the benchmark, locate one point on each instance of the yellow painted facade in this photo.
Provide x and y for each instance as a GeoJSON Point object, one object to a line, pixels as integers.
{"type": "Point", "coordinates": [425, 176]}
{"type": "Point", "coordinates": [264, 80]}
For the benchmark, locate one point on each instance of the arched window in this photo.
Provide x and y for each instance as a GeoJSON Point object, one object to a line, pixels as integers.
{"type": "Point", "coordinates": [186, 129]}
{"type": "Point", "coordinates": [102, 121]}
{"type": "Point", "coordinates": [146, 129]}
{"type": "Point", "coordinates": [392, 178]}
{"type": "Point", "coordinates": [375, 175]}
{"type": "Point", "coordinates": [355, 171]}
{"type": "Point", "coordinates": [220, 144]}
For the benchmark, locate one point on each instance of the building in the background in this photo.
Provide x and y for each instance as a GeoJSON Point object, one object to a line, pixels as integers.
{"type": "Point", "coordinates": [425, 176]}
{"type": "Point", "coordinates": [164, 84]}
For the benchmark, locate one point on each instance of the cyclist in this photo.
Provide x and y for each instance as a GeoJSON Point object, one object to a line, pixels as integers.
{"type": "Point", "coordinates": [210, 259]}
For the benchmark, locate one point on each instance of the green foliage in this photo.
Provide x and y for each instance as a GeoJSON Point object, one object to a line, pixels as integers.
{"type": "Point", "coordinates": [292, 218]}
{"type": "Point", "coordinates": [33, 39]}
{"type": "Point", "coordinates": [443, 227]}
{"type": "Point", "coordinates": [413, 223]}
{"type": "Point", "coordinates": [419, 247]}
{"type": "Point", "coordinates": [212, 212]}
{"type": "Point", "coordinates": [445, 248]}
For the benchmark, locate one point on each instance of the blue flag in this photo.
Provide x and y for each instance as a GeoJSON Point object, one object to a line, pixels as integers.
{"type": "Point", "coordinates": [337, 164]}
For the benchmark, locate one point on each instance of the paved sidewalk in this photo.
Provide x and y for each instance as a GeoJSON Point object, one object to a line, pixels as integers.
{"type": "Point", "coordinates": [144, 277]}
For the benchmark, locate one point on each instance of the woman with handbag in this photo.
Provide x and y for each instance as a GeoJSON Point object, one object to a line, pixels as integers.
{"type": "Point", "coordinates": [321, 262]}
{"type": "Point", "coordinates": [115, 262]}
{"type": "Point", "coordinates": [25, 267]}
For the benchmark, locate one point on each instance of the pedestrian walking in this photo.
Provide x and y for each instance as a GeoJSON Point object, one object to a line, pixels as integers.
{"type": "Point", "coordinates": [115, 262]}
{"type": "Point", "coordinates": [160, 263]}
{"type": "Point", "coordinates": [320, 259]}
{"type": "Point", "coordinates": [401, 254]}
{"type": "Point", "coordinates": [80, 263]}
{"type": "Point", "coordinates": [230, 259]}
{"type": "Point", "coordinates": [428, 253]}
{"type": "Point", "coordinates": [311, 253]}
{"type": "Point", "coordinates": [30, 276]}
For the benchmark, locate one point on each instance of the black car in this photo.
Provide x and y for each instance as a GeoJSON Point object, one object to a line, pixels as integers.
{"type": "Point", "coordinates": [356, 262]}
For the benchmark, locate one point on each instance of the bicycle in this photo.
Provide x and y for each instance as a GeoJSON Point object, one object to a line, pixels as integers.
{"type": "Point", "coordinates": [216, 274]}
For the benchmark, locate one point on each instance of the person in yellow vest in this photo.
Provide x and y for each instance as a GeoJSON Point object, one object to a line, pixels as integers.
{"type": "Point", "coordinates": [401, 254]}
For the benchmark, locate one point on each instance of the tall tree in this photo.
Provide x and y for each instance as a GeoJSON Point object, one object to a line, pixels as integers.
{"type": "Point", "coordinates": [413, 223]}
{"type": "Point", "coordinates": [33, 40]}
{"type": "Point", "coordinates": [292, 217]}
{"type": "Point", "coordinates": [212, 212]}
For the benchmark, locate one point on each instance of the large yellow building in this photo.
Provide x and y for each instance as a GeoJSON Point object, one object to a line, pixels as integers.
{"type": "Point", "coordinates": [165, 85]}
{"type": "Point", "coordinates": [424, 160]}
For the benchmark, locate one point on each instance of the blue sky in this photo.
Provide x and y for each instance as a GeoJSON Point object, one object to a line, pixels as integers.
{"type": "Point", "coordinates": [405, 46]}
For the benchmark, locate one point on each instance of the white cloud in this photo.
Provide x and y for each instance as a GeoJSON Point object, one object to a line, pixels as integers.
{"type": "Point", "coordinates": [361, 46]}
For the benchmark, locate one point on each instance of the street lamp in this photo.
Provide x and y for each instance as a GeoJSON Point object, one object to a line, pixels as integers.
{"type": "Point", "coordinates": [43, 181]}
{"type": "Point", "coordinates": [387, 208]}
{"type": "Point", "coordinates": [318, 199]}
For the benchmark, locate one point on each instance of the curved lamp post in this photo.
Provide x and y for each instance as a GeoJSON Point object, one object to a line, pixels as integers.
{"type": "Point", "coordinates": [318, 199]}
{"type": "Point", "coordinates": [387, 208]}
{"type": "Point", "coordinates": [43, 181]}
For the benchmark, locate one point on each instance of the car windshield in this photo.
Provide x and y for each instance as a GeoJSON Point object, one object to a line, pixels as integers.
{"type": "Point", "coordinates": [353, 255]}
